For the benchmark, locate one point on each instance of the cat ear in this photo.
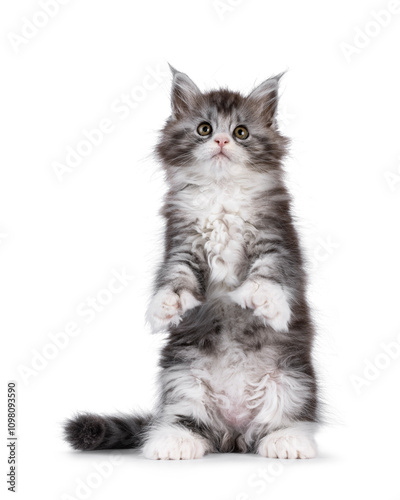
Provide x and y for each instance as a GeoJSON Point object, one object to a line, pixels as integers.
{"type": "Point", "coordinates": [184, 93]}
{"type": "Point", "coordinates": [266, 96]}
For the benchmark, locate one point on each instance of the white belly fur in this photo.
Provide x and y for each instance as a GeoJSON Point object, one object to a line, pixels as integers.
{"type": "Point", "coordinates": [245, 388]}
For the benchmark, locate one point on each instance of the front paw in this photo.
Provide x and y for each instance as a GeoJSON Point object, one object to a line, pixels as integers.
{"type": "Point", "coordinates": [167, 308]}
{"type": "Point", "coordinates": [268, 300]}
{"type": "Point", "coordinates": [288, 443]}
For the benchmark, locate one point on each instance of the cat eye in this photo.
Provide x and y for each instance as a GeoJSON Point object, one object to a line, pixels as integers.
{"type": "Point", "coordinates": [204, 129]}
{"type": "Point", "coordinates": [241, 132]}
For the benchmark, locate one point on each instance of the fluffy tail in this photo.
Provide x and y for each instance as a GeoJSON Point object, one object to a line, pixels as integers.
{"type": "Point", "coordinates": [87, 431]}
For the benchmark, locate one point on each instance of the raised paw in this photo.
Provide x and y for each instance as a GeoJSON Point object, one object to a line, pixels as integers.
{"type": "Point", "coordinates": [167, 308]}
{"type": "Point", "coordinates": [174, 446]}
{"type": "Point", "coordinates": [288, 443]}
{"type": "Point", "coordinates": [268, 300]}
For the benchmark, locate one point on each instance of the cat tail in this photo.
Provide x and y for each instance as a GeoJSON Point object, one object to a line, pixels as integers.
{"type": "Point", "coordinates": [87, 431]}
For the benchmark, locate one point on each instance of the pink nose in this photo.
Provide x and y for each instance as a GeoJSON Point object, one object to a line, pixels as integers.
{"type": "Point", "coordinates": [221, 139]}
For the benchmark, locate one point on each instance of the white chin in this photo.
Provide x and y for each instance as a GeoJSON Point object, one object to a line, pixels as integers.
{"type": "Point", "coordinates": [220, 159]}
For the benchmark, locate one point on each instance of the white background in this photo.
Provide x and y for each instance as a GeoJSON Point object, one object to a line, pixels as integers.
{"type": "Point", "coordinates": [61, 241]}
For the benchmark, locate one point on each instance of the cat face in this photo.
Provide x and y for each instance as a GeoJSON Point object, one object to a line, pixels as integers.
{"type": "Point", "coordinates": [213, 132]}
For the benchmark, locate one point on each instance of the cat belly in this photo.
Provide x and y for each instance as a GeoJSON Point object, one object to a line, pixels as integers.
{"type": "Point", "coordinates": [236, 387]}
{"type": "Point", "coordinates": [235, 415]}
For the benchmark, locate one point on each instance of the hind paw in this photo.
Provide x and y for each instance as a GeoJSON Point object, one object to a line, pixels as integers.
{"type": "Point", "coordinates": [174, 444]}
{"type": "Point", "coordinates": [288, 443]}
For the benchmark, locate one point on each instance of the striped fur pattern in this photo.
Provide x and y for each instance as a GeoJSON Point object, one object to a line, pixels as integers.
{"type": "Point", "coordinates": [236, 371]}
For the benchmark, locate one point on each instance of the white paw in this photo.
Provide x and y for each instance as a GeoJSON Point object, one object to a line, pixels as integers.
{"type": "Point", "coordinates": [175, 446]}
{"type": "Point", "coordinates": [167, 308]}
{"type": "Point", "coordinates": [288, 443]}
{"type": "Point", "coordinates": [268, 301]}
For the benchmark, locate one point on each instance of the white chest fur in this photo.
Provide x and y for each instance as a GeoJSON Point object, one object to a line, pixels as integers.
{"type": "Point", "coordinates": [222, 215]}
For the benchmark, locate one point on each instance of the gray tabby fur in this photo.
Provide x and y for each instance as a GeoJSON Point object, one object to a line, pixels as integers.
{"type": "Point", "coordinates": [236, 371]}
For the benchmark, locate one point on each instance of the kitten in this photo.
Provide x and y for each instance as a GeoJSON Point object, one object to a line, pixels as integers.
{"type": "Point", "coordinates": [236, 370]}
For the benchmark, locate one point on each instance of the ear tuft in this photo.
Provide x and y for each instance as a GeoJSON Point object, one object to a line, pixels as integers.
{"type": "Point", "coordinates": [173, 70]}
{"type": "Point", "coordinates": [266, 96]}
{"type": "Point", "coordinates": [184, 93]}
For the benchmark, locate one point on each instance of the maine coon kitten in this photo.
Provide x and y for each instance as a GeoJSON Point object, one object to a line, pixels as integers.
{"type": "Point", "coordinates": [236, 372]}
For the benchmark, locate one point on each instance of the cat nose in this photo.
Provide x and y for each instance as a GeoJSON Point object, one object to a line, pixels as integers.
{"type": "Point", "coordinates": [221, 140]}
